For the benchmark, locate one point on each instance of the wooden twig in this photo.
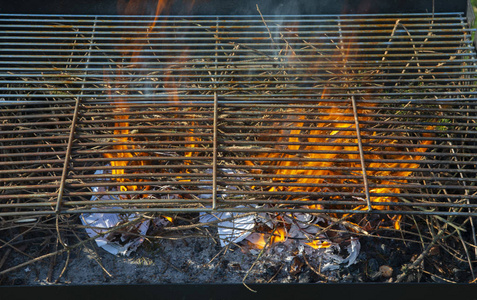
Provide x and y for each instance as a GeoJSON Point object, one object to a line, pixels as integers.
{"type": "Point", "coordinates": [276, 273]}
{"type": "Point", "coordinates": [51, 268]}
{"type": "Point", "coordinates": [441, 278]}
{"type": "Point", "coordinates": [64, 267]}
{"type": "Point", "coordinates": [389, 42]}
{"type": "Point", "coordinates": [467, 254]}
{"type": "Point", "coordinates": [4, 257]}
{"type": "Point", "coordinates": [97, 258]}
{"type": "Point", "coordinates": [415, 51]}
{"type": "Point", "coordinates": [440, 234]}
{"type": "Point", "coordinates": [14, 248]}
{"type": "Point", "coordinates": [265, 247]}
{"type": "Point", "coordinates": [193, 226]}
{"type": "Point", "coordinates": [361, 154]}
{"type": "Point", "coordinates": [39, 258]}
{"type": "Point", "coordinates": [316, 271]}
{"type": "Point", "coordinates": [265, 23]}
{"type": "Point", "coordinates": [421, 257]}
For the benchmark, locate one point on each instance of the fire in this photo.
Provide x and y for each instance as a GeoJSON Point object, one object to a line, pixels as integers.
{"type": "Point", "coordinates": [119, 157]}
{"type": "Point", "coordinates": [330, 150]}
{"type": "Point", "coordinates": [170, 219]}
{"type": "Point", "coordinates": [335, 143]}
{"type": "Point", "coordinates": [260, 242]}
{"type": "Point", "coordinates": [124, 149]}
{"type": "Point", "coordinates": [318, 244]}
{"type": "Point", "coordinates": [120, 146]}
{"type": "Point", "coordinates": [279, 235]}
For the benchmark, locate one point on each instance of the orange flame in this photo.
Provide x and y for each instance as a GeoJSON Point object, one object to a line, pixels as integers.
{"type": "Point", "coordinates": [260, 243]}
{"type": "Point", "coordinates": [338, 136]}
{"type": "Point", "coordinates": [318, 244]}
{"type": "Point", "coordinates": [279, 235]}
{"type": "Point", "coordinates": [337, 144]}
{"type": "Point", "coordinates": [123, 143]}
{"type": "Point", "coordinates": [170, 219]}
{"type": "Point", "coordinates": [124, 149]}
{"type": "Point", "coordinates": [338, 133]}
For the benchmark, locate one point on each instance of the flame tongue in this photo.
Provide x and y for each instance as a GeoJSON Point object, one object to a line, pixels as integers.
{"type": "Point", "coordinates": [123, 142]}
{"type": "Point", "coordinates": [121, 146]}
{"type": "Point", "coordinates": [262, 240]}
{"type": "Point", "coordinates": [120, 157]}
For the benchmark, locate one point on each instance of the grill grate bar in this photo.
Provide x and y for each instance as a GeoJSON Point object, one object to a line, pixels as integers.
{"type": "Point", "coordinates": [258, 210]}
{"type": "Point", "coordinates": [140, 202]}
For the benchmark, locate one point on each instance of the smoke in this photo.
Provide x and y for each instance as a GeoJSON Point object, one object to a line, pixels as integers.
{"type": "Point", "coordinates": [231, 7]}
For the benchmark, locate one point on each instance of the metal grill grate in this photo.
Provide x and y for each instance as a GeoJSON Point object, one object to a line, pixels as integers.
{"type": "Point", "coordinates": [238, 113]}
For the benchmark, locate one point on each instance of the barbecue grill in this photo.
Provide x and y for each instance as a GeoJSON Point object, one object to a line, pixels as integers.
{"type": "Point", "coordinates": [343, 108]}
{"type": "Point", "coordinates": [209, 113]}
